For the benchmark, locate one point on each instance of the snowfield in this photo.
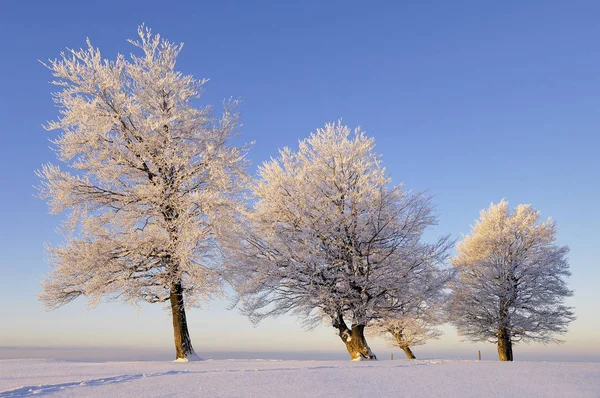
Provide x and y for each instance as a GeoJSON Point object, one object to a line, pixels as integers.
{"type": "Point", "coordinates": [266, 378]}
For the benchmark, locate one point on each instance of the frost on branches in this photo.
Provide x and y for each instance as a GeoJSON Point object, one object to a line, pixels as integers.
{"type": "Point", "coordinates": [406, 332]}
{"type": "Point", "coordinates": [511, 280]}
{"type": "Point", "coordinates": [420, 315]}
{"type": "Point", "coordinates": [149, 182]}
{"type": "Point", "coordinates": [331, 239]}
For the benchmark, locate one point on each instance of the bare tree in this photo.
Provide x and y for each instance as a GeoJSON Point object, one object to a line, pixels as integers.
{"type": "Point", "coordinates": [152, 182]}
{"type": "Point", "coordinates": [511, 280]}
{"type": "Point", "coordinates": [330, 239]}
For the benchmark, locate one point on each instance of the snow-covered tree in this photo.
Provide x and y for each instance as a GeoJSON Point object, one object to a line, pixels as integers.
{"type": "Point", "coordinates": [423, 310]}
{"type": "Point", "coordinates": [404, 332]}
{"type": "Point", "coordinates": [511, 280]}
{"type": "Point", "coordinates": [330, 239]}
{"type": "Point", "coordinates": [152, 181]}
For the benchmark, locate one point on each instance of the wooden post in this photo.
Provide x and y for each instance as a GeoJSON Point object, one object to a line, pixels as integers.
{"type": "Point", "coordinates": [479, 355]}
{"type": "Point", "coordinates": [392, 356]}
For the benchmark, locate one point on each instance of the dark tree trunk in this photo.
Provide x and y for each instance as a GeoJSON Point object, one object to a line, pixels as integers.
{"type": "Point", "coordinates": [408, 352]}
{"type": "Point", "coordinates": [355, 341]}
{"type": "Point", "coordinates": [504, 345]}
{"type": "Point", "coordinates": [183, 343]}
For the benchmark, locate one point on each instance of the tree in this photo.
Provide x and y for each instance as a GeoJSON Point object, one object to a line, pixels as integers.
{"type": "Point", "coordinates": [406, 332]}
{"type": "Point", "coordinates": [330, 239]}
{"type": "Point", "coordinates": [420, 315]}
{"type": "Point", "coordinates": [511, 280]}
{"type": "Point", "coordinates": [153, 181]}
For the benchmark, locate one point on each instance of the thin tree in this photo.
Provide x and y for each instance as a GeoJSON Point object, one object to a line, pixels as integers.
{"type": "Point", "coordinates": [330, 239]}
{"type": "Point", "coordinates": [405, 332]}
{"type": "Point", "coordinates": [417, 321]}
{"type": "Point", "coordinates": [511, 283]}
{"type": "Point", "coordinates": [152, 181]}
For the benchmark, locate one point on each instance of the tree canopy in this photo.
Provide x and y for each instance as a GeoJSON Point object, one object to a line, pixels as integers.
{"type": "Point", "coordinates": [150, 180]}
{"type": "Point", "coordinates": [511, 282]}
{"type": "Point", "coordinates": [330, 238]}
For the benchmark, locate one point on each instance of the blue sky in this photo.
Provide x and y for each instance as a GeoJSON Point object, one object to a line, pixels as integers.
{"type": "Point", "coordinates": [472, 101]}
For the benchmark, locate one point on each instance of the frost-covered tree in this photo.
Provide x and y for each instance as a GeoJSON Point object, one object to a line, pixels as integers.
{"type": "Point", "coordinates": [404, 332]}
{"type": "Point", "coordinates": [511, 280]}
{"type": "Point", "coordinates": [422, 311]}
{"type": "Point", "coordinates": [149, 181]}
{"type": "Point", "coordinates": [331, 239]}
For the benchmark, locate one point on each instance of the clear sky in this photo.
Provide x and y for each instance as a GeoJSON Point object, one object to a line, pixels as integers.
{"type": "Point", "coordinates": [473, 101]}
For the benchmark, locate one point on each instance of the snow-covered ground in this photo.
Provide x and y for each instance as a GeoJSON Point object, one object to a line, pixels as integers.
{"type": "Point", "coordinates": [264, 378]}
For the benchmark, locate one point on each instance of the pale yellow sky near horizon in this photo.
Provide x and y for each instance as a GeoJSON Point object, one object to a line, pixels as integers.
{"type": "Point", "coordinates": [216, 329]}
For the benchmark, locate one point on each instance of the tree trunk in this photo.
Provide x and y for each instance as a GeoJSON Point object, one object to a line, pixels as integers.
{"type": "Point", "coordinates": [408, 352]}
{"type": "Point", "coordinates": [183, 343]}
{"type": "Point", "coordinates": [397, 333]}
{"type": "Point", "coordinates": [504, 345]}
{"type": "Point", "coordinates": [355, 341]}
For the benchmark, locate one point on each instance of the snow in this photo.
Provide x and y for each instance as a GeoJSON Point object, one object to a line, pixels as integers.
{"type": "Point", "coordinates": [273, 378]}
